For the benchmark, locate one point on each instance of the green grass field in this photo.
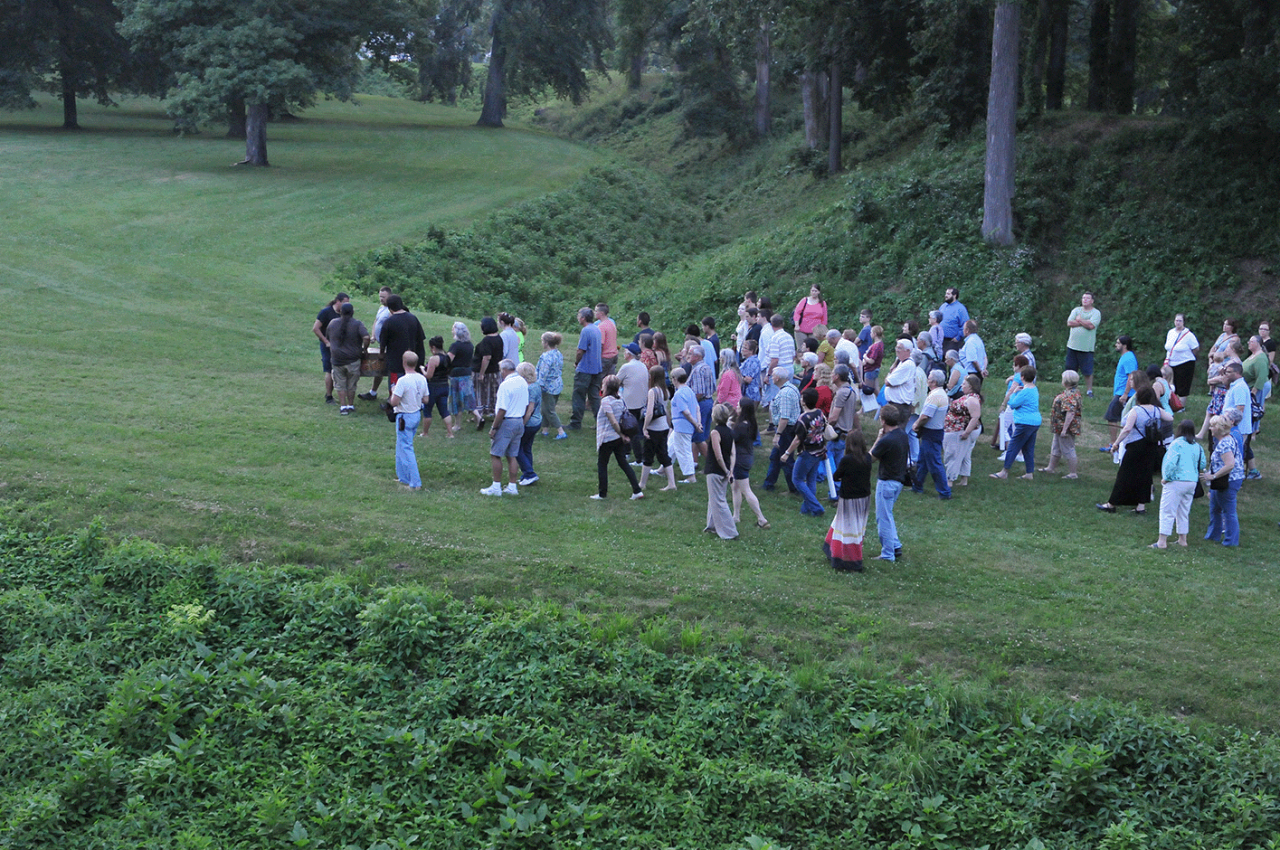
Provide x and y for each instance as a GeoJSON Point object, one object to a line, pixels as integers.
{"type": "Point", "coordinates": [163, 376]}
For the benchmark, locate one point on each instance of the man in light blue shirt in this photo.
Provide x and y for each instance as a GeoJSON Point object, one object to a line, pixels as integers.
{"type": "Point", "coordinates": [1238, 396]}
{"type": "Point", "coordinates": [973, 353]}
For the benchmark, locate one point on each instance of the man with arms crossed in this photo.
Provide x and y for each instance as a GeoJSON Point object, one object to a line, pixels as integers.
{"type": "Point", "coordinates": [1082, 336]}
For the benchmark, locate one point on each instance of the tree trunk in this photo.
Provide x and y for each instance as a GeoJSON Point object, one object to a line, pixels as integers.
{"type": "Point", "coordinates": [236, 128]}
{"type": "Point", "coordinates": [634, 68]}
{"type": "Point", "coordinates": [1037, 65]}
{"type": "Point", "coordinates": [1056, 73]}
{"type": "Point", "coordinates": [812, 101]}
{"type": "Point", "coordinates": [1122, 55]}
{"type": "Point", "coordinates": [1258, 28]}
{"type": "Point", "coordinates": [835, 116]}
{"type": "Point", "coordinates": [762, 111]}
{"type": "Point", "coordinates": [70, 118]}
{"type": "Point", "coordinates": [494, 105]}
{"type": "Point", "coordinates": [1099, 49]}
{"type": "Point", "coordinates": [1002, 125]}
{"type": "Point", "coordinates": [255, 145]}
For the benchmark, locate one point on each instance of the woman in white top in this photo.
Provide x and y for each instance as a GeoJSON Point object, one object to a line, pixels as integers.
{"type": "Point", "coordinates": [1181, 349]}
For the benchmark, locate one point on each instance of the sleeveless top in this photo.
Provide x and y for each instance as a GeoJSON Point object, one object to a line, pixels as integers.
{"type": "Point", "coordinates": [441, 374]}
{"type": "Point", "coordinates": [726, 449]}
{"type": "Point", "coordinates": [958, 414]}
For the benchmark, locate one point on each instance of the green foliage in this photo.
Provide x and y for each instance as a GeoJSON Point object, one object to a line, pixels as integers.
{"type": "Point", "coordinates": [542, 259]}
{"type": "Point", "coordinates": [400, 717]}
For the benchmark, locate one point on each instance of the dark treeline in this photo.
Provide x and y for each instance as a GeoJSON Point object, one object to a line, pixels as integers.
{"type": "Point", "coordinates": [241, 61]}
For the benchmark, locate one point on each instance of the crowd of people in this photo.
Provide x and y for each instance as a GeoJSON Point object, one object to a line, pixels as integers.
{"type": "Point", "coordinates": [659, 403]}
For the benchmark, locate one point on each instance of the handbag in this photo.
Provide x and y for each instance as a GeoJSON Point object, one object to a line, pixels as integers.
{"type": "Point", "coordinates": [628, 424]}
{"type": "Point", "coordinates": [1220, 483]}
{"type": "Point", "coordinates": [1199, 491]}
{"type": "Point", "coordinates": [830, 434]}
{"type": "Point", "coordinates": [1176, 404]}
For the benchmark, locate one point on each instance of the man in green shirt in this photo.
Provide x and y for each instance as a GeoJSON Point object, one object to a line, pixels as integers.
{"type": "Point", "coordinates": [1082, 336]}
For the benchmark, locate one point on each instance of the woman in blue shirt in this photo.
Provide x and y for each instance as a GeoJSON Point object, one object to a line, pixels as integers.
{"type": "Point", "coordinates": [1025, 404]}
{"type": "Point", "coordinates": [1179, 473]}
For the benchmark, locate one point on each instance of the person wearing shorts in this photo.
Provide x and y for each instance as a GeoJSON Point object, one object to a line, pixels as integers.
{"type": "Point", "coordinates": [508, 428]}
{"type": "Point", "coordinates": [1082, 338]}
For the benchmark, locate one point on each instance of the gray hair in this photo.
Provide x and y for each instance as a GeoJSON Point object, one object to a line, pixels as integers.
{"type": "Point", "coordinates": [843, 373]}
{"type": "Point", "coordinates": [834, 333]}
{"type": "Point", "coordinates": [586, 314]}
{"type": "Point", "coordinates": [783, 372]}
{"type": "Point", "coordinates": [903, 345]}
{"type": "Point", "coordinates": [809, 358]}
{"type": "Point", "coordinates": [460, 332]}
{"type": "Point", "coordinates": [937, 377]}
{"type": "Point", "coordinates": [936, 315]}
{"type": "Point", "coordinates": [507, 366]}
{"type": "Point", "coordinates": [925, 336]}
{"type": "Point", "coordinates": [842, 356]}
{"type": "Point", "coordinates": [952, 355]}
{"type": "Point", "coordinates": [1232, 415]}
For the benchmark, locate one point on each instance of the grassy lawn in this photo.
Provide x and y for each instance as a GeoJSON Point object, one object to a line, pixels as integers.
{"type": "Point", "coordinates": [163, 376]}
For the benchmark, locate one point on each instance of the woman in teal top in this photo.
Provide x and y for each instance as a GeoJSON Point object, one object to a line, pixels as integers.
{"type": "Point", "coordinates": [1025, 405]}
{"type": "Point", "coordinates": [1183, 463]}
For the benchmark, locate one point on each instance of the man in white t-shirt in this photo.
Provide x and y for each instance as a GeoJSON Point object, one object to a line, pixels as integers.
{"type": "Point", "coordinates": [383, 312]}
{"type": "Point", "coordinates": [900, 391]}
{"type": "Point", "coordinates": [406, 397]}
{"type": "Point", "coordinates": [510, 406]}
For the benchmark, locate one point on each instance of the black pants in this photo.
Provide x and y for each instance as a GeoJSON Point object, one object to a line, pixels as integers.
{"type": "Point", "coordinates": [656, 448]}
{"type": "Point", "coordinates": [617, 449]}
{"type": "Point", "coordinates": [1182, 375]}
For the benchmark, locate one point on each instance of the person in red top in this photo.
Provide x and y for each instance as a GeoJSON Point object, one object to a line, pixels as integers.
{"type": "Point", "coordinates": [608, 340]}
{"type": "Point", "coordinates": [809, 314]}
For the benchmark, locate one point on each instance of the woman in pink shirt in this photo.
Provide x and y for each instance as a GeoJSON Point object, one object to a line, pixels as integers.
{"type": "Point", "coordinates": [809, 314]}
{"type": "Point", "coordinates": [729, 390]}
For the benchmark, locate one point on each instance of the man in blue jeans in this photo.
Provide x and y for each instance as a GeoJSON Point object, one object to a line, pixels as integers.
{"type": "Point", "coordinates": [891, 449]}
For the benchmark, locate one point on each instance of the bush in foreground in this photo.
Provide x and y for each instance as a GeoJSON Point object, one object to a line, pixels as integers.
{"type": "Point", "coordinates": [154, 698]}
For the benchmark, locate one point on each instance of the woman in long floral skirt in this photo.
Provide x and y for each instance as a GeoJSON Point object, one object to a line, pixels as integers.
{"type": "Point", "coordinates": [844, 539]}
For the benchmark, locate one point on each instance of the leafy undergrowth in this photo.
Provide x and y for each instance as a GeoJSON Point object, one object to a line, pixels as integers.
{"type": "Point", "coordinates": [155, 698]}
{"type": "Point", "coordinates": [542, 259]}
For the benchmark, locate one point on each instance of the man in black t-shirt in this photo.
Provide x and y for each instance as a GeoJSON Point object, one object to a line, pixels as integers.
{"type": "Point", "coordinates": [320, 329]}
{"type": "Point", "coordinates": [401, 332]}
{"type": "Point", "coordinates": [892, 450]}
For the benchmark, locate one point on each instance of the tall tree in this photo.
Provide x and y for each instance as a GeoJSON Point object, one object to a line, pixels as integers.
{"type": "Point", "coordinates": [1099, 52]}
{"type": "Point", "coordinates": [260, 53]}
{"type": "Point", "coordinates": [69, 48]}
{"type": "Point", "coordinates": [1002, 119]}
{"type": "Point", "coordinates": [443, 52]}
{"type": "Point", "coordinates": [539, 45]}
{"type": "Point", "coordinates": [638, 21]}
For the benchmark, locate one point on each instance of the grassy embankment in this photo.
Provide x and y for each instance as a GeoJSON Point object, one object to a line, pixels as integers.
{"type": "Point", "coordinates": [172, 298]}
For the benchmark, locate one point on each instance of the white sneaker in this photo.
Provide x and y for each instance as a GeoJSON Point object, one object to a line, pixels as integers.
{"type": "Point", "coordinates": [596, 496]}
{"type": "Point", "coordinates": [528, 479]}
{"type": "Point", "coordinates": [492, 490]}
{"type": "Point", "coordinates": [639, 495]}
{"type": "Point", "coordinates": [511, 490]}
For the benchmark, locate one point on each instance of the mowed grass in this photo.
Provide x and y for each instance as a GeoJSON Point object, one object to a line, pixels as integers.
{"type": "Point", "coordinates": [162, 375]}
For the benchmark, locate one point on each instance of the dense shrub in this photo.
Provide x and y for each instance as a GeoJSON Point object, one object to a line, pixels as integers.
{"type": "Point", "coordinates": [331, 714]}
{"type": "Point", "coordinates": [545, 258]}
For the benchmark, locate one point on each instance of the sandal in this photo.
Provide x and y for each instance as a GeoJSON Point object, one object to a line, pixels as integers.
{"type": "Point", "coordinates": [764, 524]}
